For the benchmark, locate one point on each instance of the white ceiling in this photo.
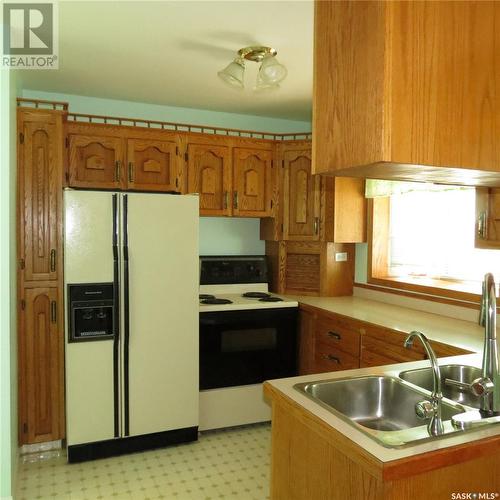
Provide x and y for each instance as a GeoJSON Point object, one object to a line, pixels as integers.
{"type": "Point", "coordinates": [169, 52]}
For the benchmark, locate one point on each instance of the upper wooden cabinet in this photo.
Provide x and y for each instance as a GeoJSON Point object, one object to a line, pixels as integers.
{"type": "Point", "coordinates": [234, 176]}
{"type": "Point", "coordinates": [110, 157]}
{"type": "Point", "coordinates": [209, 174]}
{"type": "Point", "coordinates": [252, 182]}
{"type": "Point", "coordinates": [40, 194]}
{"type": "Point", "coordinates": [313, 207]}
{"type": "Point", "coordinates": [407, 90]}
{"type": "Point", "coordinates": [152, 165]}
{"type": "Point", "coordinates": [301, 196]}
{"type": "Point", "coordinates": [96, 161]}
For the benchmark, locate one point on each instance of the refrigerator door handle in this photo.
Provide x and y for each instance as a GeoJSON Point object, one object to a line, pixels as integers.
{"type": "Point", "coordinates": [126, 319]}
{"type": "Point", "coordinates": [116, 318]}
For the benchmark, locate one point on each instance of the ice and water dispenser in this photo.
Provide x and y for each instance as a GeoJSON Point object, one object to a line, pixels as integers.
{"type": "Point", "coordinates": [91, 312]}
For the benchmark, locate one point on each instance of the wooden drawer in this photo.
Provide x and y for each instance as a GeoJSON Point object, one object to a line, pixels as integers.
{"type": "Point", "coordinates": [369, 358]}
{"type": "Point", "coordinates": [338, 333]}
{"type": "Point", "coordinates": [443, 350]}
{"type": "Point", "coordinates": [383, 348]}
{"type": "Point", "coordinates": [330, 359]}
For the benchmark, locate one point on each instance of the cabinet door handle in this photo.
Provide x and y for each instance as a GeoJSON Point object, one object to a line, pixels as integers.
{"type": "Point", "coordinates": [331, 357]}
{"type": "Point", "coordinates": [117, 170]}
{"type": "Point", "coordinates": [316, 225]}
{"type": "Point", "coordinates": [52, 260]}
{"type": "Point", "coordinates": [226, 199]}
{"type": "Point", "coordinates": [130, 171]}
{"type": "Point", "coordinates": [482, 226]}
{"type": "Point", "coordinates": [53, 311]}
{"type": "Point", "coordinates": [334, 335]}
{"type": "Point", "coordinates": [235, 199]}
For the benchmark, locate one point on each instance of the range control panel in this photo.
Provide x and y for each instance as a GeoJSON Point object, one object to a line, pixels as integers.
{"type": "Point", "coordinates": [230, 270]}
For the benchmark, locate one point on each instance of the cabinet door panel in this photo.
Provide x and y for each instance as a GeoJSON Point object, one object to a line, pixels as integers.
{"type": "Point", "coordinates": [95, 162]}
{"type": "Point", "coordinates": [152, 165]}
{"type": "Point", "coordinates": [40, 367]}
{"type": "Point", "coordinates": [40, 183]}
{"type": "Point", "coordinates": [252, 182]}
{"type": "Point", "coordinates": [209, 174]}
{"type": "Point", "coordinates": [301, 197]}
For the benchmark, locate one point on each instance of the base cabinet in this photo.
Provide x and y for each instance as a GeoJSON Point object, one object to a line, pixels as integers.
{"type": "Point", "coordinates": [312, 460]}
{"type": "Point", "coordinates": [41, 370]}
{"type": "Point", "coordinates": [331, 342]}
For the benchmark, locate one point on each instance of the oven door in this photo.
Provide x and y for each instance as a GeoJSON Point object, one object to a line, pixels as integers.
{"type": "Point", "coordinates": [247, 347]}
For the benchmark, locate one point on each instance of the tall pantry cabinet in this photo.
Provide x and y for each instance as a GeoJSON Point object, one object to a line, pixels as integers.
{"type": "Point", "coordinates": [40, 336]}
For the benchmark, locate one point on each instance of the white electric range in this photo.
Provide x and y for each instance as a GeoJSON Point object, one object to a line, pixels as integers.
{"type": "Point", "coordinates": [243, 340]}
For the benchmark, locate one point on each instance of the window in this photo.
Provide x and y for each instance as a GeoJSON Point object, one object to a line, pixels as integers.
{"type": "Point", "coordinates": [424, 236]}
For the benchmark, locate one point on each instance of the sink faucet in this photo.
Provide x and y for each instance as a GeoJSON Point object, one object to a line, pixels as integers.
{"type": "Point", "coordinates": [487, 387]}
{"type": "Point", "coordinates": [429, 409]}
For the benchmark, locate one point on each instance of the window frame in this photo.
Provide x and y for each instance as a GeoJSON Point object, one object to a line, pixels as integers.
{"type": "Point", "coordinates": [378, 214]}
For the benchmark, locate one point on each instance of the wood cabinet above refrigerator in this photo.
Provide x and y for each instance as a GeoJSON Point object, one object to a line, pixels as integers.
{"type": "Point", "coordinates": [407, 90]}
{"type": "Point", "coordinates": [108, 157]}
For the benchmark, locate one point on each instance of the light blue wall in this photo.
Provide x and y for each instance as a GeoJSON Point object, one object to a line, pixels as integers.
{"type": "Point", "coordinates": [129, 109]}
{"type": "Point", "coordinates": [230, 236]}
{"type": "Point", "coordinates": [8, 332]}
{"type": "Point", "coordinates": [218, 236]}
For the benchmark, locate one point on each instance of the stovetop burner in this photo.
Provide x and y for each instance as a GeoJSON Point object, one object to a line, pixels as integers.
{"type": "Point", "coordinates": [270, 299]}
{"type": "Point", "coordinates": [215, 300]}
{"type": "Point", "coordinates": [204, 296]}
{"type": "Point", "coordinates": [256, 295]}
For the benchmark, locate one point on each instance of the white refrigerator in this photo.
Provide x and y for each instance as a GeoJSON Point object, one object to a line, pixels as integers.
{"type": "Point", "coordinates": [131, 273]}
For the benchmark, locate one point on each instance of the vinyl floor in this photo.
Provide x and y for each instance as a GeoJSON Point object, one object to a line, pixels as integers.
{"type": "Point", "coordinates": [230, 464]}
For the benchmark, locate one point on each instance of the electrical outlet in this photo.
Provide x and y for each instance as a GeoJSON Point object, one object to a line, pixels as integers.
{"type": "Point", "coordinates": [340, 256]}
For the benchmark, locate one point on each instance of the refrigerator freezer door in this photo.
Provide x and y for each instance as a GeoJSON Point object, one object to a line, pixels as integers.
{"type": "Point", "coordinates": [163, 296]}
{"type": "Point", "coordinates": [88, 258]}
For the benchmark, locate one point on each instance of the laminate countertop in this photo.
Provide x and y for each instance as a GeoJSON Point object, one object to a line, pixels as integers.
{"type": "Point", "coordinates": [459, 333]}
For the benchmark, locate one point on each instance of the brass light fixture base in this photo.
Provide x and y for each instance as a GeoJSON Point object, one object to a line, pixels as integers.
{"type": "Point", "coordinates": [256, 54]}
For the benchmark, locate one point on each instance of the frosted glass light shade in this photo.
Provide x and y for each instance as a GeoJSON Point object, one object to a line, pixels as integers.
{"type": "Point", "coordinates": [233, 74]}
{"type": "Point", "coordinates": [271, 71]}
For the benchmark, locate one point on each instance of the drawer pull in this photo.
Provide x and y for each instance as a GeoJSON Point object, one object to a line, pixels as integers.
{"type": "Point", "coordinates": [117, 170]}
{"type": "Point", "coordinates": [334, 335]}
{"type": "Point", "coordinates": [331, 357]}
{"type": "Point", "coordinates": [53, 311]}
{"type": "Point", "coordinates": [52, 260]}
{"type": "Point", "coordinates": [130, 171]}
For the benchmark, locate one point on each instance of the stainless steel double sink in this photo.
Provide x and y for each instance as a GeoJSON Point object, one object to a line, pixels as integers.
{"type": "Point", "coordinates": [383, 406]}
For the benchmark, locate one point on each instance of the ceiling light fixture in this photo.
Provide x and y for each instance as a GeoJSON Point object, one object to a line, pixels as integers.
{"type": "Point", "coordinates": [271, 72]}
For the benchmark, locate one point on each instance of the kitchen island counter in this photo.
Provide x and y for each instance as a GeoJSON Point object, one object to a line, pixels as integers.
{"type": "Point", "coordinates": [314, 449]}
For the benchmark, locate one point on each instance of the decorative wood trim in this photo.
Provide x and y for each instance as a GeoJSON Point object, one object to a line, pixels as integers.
{"type": "Point", "coordinates": [183, 127]}
{"type": "Point", "coordinates": [42, 104]}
